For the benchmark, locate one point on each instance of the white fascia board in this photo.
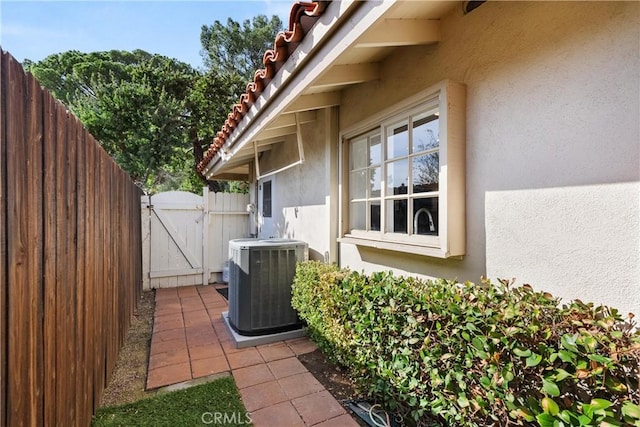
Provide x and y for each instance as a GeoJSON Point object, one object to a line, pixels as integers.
{"type": "Point", "coordinates": [336, 31]}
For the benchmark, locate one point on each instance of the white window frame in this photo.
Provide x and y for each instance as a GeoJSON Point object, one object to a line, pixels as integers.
{"type": "Point", "coordinates": [450, 100]}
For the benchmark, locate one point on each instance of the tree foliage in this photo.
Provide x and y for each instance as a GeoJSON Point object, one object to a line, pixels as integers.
{"type": "Point", "coordinates": [238, 48]}
{"type": "Point", "coordinates": [132, 102]}
{"type": "Point", "coordinates": [155, 115]}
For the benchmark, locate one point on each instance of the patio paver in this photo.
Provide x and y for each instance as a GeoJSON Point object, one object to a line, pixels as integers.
{"type": "Point", "coordinates": [282, 414]}
{"type": "Point", "coordinates": [318, 407]}
{"type": "Point", "coordinates": [190, 341]}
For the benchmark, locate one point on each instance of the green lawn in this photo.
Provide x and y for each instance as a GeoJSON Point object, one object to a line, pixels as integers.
{"type": "Point", "coordinates": [214, 403]}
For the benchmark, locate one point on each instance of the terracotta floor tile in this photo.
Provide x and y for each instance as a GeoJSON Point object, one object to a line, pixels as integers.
{"type": "Point", "coordinates": [168, 375]}
{"type": "Point", "coordinates": [173, 317]}
{"type": "Point", "coordinates": [211, 293]}
{"type": "Point", "coordinates": [203, 329]}
{"type": "Point", "coordinates": [300, 385]}
{"type": "Point", "coordinates": [252, 375]}
{"type": "Point", "coordinates": [302, 346]}
{"type": "Point", "coordinates": [318, 407]}
{"type": "Point", "coordinates": [191, 304]}
{"type": "Point", "coordinates": [207, 290]}
{"type": "Point", "coordinates": [201, 313]}
{"type": "Point", "coordinates": [205, 351]}
{"type": "Point", "coordinates": [276, 351]}
{"type": "Point", "coordinates": [166, 293]}
{"type": "Point", "coordinates": [286, 367]}
{"type": "Point", "coordinates": [165, 309]}
{"type": "Point", "coordinates": [187, 291]}
{"type": "Point", "coordinates": [203, 339]}
{"type": "Point", "coordinates": [212, 365]}
{"type": "Point", "coordinates": [282, 414]}
{"type": "Point", "coordinates": [167, 302]}
{"type": "Point", "coordinates": [158, 346]}
{"type": "Point", "coordinates": [197, 319]}
{"type": "Point", "coordinates": [192, 316]}
{"type": "Point", "coordinates": [262, 395]}
{"type": "Point", "coordinates": [172, 334]}
{"type": "Point", "coordinates": [215, 303]}
{"type": "Point", "coordinates": [215, 313]}
{"type": "Point", "coordinates": [223, 335]}
{"type": "Point", "coordinates": [221, 328]}
{"type": "Point", "coordinates": [245, 357]}
{"type": "Point", "coordinates": [227, 344]}
{"type": "Point", "coordinates": [167, 326]}
{"type": "Point", "coordinates": [343, 421]}
{"type": "Point", "coordinates": [172, 357]}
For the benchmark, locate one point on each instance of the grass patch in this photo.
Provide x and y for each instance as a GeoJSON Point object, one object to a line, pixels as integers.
{"type": "Point", "coordinates": [217, 402]}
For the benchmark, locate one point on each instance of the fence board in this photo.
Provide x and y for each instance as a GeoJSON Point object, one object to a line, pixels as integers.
{"type": "Point", "coordinates": [50, 259]}
{"type": "Point", "coordinates": [18, 404]}
{"type": "Point", "coordinates": [81, 368]}
{"type": "Point", "coordinates": [62, 250]}
{"type": "Point", "coordinates": [90, 276]}
{"type": "Point", "coordinates": [34, 140]}
{"type": "Point", "coordinates": [70, 258]}
{"type": "Point", "coordinates": [3, 246]}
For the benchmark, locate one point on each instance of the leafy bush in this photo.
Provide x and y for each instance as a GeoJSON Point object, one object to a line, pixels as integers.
{"type": "Point", "coordinates": [473, 354]}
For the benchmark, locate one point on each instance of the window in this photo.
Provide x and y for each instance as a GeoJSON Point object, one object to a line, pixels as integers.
{"type": "Point", "coordinates": [406, 176]}
{"type": "Point", "coordinates": [266, 199]}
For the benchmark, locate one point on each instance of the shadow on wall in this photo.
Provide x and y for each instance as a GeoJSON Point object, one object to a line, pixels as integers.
{"type": "Point", "coordinates": [410, 264]}
{"type": "Point", "coordinates": [288, 232]}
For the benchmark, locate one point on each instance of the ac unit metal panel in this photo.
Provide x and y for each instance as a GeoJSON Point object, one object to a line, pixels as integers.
{"type": "Point", "coordinates": [260, 277]}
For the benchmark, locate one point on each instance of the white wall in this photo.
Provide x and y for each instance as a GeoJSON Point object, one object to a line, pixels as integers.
{"type": "Point", "coordinates": [568, 241]}
{"type": "Point", "coordinates": [301, 194]}
{"type": "Point", "coordinates": [553, 137]}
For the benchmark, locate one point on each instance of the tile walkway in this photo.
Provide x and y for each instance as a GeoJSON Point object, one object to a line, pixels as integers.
{"type": "Point", "coordinates": [190, 341]}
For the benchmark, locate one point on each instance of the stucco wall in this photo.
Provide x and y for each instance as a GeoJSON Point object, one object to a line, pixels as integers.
{"type": "Point", "coordinates": [301, 193]}
{"type": "Point", "coordinates": [553, 100]}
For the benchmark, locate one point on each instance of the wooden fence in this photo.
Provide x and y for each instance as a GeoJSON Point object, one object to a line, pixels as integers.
{"type": "Point", "coordinates": [70, 258]}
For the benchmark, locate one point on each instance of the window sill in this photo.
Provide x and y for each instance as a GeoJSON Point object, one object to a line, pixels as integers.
{"type": "Point", "coordinates": [398, 247]}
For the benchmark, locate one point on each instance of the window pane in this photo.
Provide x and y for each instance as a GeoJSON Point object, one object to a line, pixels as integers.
{"type": "Point", "coordinates": [358, 184]}
{"type": "Point", "coordinates": [375, 181]}
{"type": "Point", "coordinates": [266, 199]}
{"type": "Point", "coordinates": [425, 133]}
{"type": "Point", "coordinates": [396, 216]}
{"type": "Point", "coordinates": [374, 208]}
{"type": "Point", "coordinates": [425, 216]}
{"type": "Point", "coordinates": [358, 154]}
{"type": "Point", "coordinates": [397, 177]}
{"type": "Point", "coordinates": [397, 141]}
{"type": "Point", "coordinates": [375, 150]}
{"type": "Point", "coordinates": [426, 173]}
{"type": "Point", "coordinates": [358, 215]}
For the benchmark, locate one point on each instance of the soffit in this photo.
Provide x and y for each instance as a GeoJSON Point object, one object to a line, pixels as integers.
{"type": "Point", "coordinates": [404, 23]}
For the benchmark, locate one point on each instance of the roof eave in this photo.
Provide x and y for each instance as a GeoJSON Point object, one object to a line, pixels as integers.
{"type": "Point", "coordinates": [335, 31]}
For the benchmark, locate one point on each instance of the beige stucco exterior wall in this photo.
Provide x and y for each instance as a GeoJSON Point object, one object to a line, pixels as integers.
{"type": "Point", "coordinates": [553, 139]}
{"type": "Point", "coordinates": [301, 194]}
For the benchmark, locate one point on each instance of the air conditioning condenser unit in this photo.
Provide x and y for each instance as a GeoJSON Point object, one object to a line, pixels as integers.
{"type": "Point", "coordinates": [261, 273]}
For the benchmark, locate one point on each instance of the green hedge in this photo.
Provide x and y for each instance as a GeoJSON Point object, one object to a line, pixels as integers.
{"type": "Point", "coordinates": [473, 354]}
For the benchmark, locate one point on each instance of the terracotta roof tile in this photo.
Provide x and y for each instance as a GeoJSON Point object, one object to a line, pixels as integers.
{"type": "Point", "coordinates": [301, 18]}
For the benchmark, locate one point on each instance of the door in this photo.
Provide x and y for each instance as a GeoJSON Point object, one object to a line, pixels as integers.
{"type": "Point", "coordinates": [266, 226]}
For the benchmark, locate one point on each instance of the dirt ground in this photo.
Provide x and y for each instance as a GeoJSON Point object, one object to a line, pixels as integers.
{"type": "Point", "coordinates": [130, 374]}
{"type": "Point", "coordinates": [332, 377]}
{"type": "Point", "coordinates": [129, 377]}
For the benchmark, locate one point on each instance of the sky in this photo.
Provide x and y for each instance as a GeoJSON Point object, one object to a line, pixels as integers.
{"type": "Point", "coordinates": [35, 29]}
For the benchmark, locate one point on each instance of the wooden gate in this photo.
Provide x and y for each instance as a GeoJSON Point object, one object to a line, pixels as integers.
{"type": "Point", "coordinates": [185, 236]}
